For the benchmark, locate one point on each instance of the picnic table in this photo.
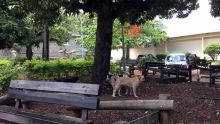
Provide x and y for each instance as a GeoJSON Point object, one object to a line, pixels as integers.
{"type": "Point", "coordinates": [176, 70]}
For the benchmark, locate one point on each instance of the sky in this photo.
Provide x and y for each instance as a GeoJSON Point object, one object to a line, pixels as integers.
{"type": "Point", "coordinates": [199, 21]}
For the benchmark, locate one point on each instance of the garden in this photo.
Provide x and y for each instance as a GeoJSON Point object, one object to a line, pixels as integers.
{"type": "Point", "coordinates": [39, 89]}
{"type": "Point", "coordinates": [194, 102]}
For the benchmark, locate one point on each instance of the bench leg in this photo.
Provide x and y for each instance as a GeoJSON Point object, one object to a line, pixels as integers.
{"type": "Point", "coordinates": [17, 103]}
{"type": "Point", "coordinates": [84, 115]}
{"type": "Point", "coordinates": [25, 104]}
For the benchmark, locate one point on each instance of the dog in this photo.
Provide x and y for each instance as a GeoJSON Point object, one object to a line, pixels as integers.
{"type": "Point", "coordinates": [131, 82]}
{"type": "Point", "coordinates": [112, 79]}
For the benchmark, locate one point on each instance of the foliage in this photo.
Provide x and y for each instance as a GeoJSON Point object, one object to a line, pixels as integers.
{"type": "Point", "coordinates": [215, 6]}
{"type": "Point", "coordinates": [149, 33]}
{"type": "Point", "coordinates": [48, 70]}
{"type": "Point", "coordinates": [216, 62]}
{"type": "Point", "coordinates": [88, 36]}
{"type": "Point", "coordinates": [161, 57]}
{"type": "Point", "coordinates": [10, 22]}
{"type": "Point", "coordinates": [5, 62]}
{"type": "Point", "coordinates": [45, 14]}
{"type": "Point", "coordinates": [147, 59]}
{"type": "Point", "coordinates": [115, 68]}
{"type": "Point", "coordinates": [7, 73]}
{"type": "Point", "coordinates": [142, 35]}
{"type": "Point", "coordinates": [64, 30]}
{"type": "Point", "coordinates": [132, 11]}
{"type": "Point", "coordinates": [30, 33]}
{"type": "Point", "coordinates": [43, 10]}
{"type": "Point", "coordinates": [213, 50]}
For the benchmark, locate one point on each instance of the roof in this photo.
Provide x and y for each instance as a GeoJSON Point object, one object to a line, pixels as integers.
{"type": "Point", "coordinates": [195, 36]}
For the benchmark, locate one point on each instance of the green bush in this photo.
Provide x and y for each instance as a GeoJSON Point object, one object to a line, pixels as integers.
{"type": "Point", "coordinates": [213, 50]}
{"type": "Point", "coordinates": [115, 68]}
{"type": "Point", "coordinates": [5, 62]}
{"type": "Point", "coordinates": [48, 70]}
{"type": "Point", "coordinates": [161, 57]}
{"type": "Point", "coordinates": [147, 59]}
{"type": "Point", "coordinates": [7, 73]}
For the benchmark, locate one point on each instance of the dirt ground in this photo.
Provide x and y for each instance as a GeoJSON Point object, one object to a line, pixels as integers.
{"type": "Point", "coordinates": [195, 103]}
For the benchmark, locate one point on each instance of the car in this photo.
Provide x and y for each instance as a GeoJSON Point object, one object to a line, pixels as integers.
{"type": "Point", "coordinates": [177, 59]}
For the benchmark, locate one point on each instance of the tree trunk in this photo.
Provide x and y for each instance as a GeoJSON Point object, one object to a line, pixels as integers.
{"type": "Point", "coordinates": [123, 48]}
{"type": "Point", "coordinates": [45, 53]}
{"type": "Point", "coordinates": [128, 51]}
{"type": "Point", "coordinates": [29, 53]}
{"type": "Point", "coordinates": [103, 42]}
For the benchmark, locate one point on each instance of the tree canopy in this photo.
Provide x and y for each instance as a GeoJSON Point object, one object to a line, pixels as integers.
{"type": "Point", "coordinates": [11, 22]}
{"type": "Point", "coordinates": [133, 11]}
{"type": "Point", "coordinates": [47, 12]}
{"type": "Point", "coordinates": [215, 8]}
{"type": "Point", "coordinates": [21, 25]}
{"type": "Point", "coordinates": [149, 33]}
{"type": "Point", "coordinates": [213, 50]}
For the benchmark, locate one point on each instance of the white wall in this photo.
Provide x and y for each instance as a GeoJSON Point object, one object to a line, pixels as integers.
{"type": "Point", "coordinates": [134, 52]}
{"type": "Point", "coordinates": [192, 46]}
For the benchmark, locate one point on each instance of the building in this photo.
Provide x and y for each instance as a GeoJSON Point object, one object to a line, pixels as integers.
{"type": "Point", "coordinates": [56, 51]}
{"type": "Point", "coordinates": [194, 44]}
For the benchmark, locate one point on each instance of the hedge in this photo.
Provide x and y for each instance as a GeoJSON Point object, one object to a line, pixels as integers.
{"type": "Point", "coordinates": [48, 70]}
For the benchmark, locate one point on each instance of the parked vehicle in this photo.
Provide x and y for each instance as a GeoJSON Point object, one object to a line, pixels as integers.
{"type": "Point", "coordinates": [177, 59]}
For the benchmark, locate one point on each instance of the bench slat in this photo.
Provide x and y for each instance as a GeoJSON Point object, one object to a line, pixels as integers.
{"type": "Point", "coordinates": [154, 64]}
{"type": "Point", "coordinates": [30, 117]}
{"type": "Point", "coordinates": [74, 100]}
{"type": "Point", "coordinates": [81, 88]}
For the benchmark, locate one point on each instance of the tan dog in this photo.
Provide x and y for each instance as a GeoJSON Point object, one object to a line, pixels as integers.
{"type": "Point", "coordinates": [132, 82]}
{"type": "Point", "coordinates": [112, 82]}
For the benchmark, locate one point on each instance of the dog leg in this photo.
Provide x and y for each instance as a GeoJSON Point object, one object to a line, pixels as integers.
{"type": "Point", "coordinates": [131, 91]}
{"type": "Point", "coordinates": [126, 92]}
{"type": "Point", "coordinates": [115, 90]}
{"type": "Point", "coordinates": [119, 91]}
{"type": "Point", "coordinates": [134, 92]}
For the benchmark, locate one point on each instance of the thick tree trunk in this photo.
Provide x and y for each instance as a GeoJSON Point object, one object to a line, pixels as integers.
{"type": "Point", "coordinates": [45, 53]}
{"type": "Point", "coordinates": [103, 42]}
{"type": "Point", "coordinates": [29, 53]}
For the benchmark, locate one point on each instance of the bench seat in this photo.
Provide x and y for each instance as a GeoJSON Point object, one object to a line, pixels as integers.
{"type": "Point", "coordinates": [81, 96]}
{"type": "Point", "coordinates": [22, 116]}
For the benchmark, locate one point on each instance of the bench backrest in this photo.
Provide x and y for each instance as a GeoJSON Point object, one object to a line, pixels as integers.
{"type": "Point", "coordinates": [80, 95]}
{"type": "Point", "coordinates": [154, 64]}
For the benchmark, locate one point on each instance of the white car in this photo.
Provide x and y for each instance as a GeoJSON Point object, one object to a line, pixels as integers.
{"type": "Point", "coordinates": [176, 59]}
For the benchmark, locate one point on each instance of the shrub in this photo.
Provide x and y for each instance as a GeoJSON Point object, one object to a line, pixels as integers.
{"type": "Point", "coordinates": [5, 62]}
{"type": "Point", "coordinates": [115, 68]}
{"type": "Point", "coordinates": [48, 70]}
{"type": "Point", "coordinates": [7, 73]}
{"type": "Point", "coordinates": [213, 50]}
{"type": "Point", "coordinates": [161, 57]}
{"type": "Point", "coordinates": [147, 59]}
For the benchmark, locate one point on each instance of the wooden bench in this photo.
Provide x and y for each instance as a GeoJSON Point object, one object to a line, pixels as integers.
{"type": "Point", "coordinates": [78, 95]}
{"type": "Point", "coordinates": [160, 67]}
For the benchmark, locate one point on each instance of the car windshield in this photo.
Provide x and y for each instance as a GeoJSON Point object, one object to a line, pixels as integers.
{"type": "Point", "coordinates": [176, 58]}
